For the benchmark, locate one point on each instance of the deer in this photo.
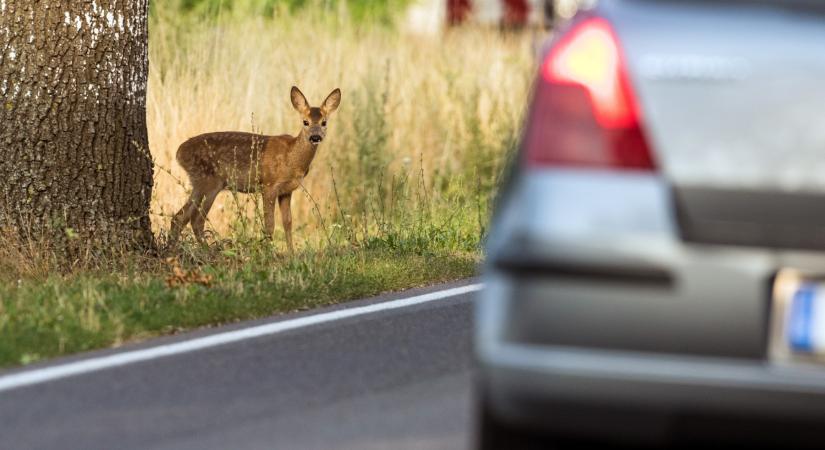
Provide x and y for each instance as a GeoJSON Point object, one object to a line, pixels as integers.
{"type": "Point", "coordinates": [251, 163]}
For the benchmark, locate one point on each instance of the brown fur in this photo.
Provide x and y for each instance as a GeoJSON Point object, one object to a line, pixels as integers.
{"type": "Point", "coordinates": [249, 163]}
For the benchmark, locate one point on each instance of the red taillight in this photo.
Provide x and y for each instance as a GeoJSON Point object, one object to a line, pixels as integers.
{"type": "Point", "coordinates": [584, 110]}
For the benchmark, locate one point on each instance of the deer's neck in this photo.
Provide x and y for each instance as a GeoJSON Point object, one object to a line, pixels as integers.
{"type": "Point", "coordinates": [303, 152]}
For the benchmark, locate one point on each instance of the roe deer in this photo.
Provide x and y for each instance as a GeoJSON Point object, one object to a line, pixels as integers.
{"type": "Point", "coordinates": [248, 163]}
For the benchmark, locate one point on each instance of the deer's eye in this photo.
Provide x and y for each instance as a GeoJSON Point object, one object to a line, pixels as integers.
{"type": "Point", "coordinates": [306, 123]}
{"type": "Point", "coordinates": [324, 123]}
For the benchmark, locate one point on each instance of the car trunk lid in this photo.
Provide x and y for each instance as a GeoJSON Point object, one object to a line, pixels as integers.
{"type": "Point", "coordinates": [733, 101]}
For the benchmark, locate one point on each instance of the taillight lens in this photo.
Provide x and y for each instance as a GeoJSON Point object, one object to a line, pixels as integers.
{"type": "Point", "coordinates": [584, 110]}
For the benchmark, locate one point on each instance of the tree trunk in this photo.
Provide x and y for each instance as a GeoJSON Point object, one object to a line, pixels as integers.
{"type": "Point", "coordinates": [74, 154]}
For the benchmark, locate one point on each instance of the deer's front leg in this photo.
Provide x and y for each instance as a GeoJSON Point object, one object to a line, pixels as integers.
{"type": "Point", "coordinates": [285, 204]}
{"type": "Point", "coordinates": [270, 196]}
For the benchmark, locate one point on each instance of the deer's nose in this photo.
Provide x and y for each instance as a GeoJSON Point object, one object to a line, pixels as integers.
{"type": "Point", "coordinates": [315, 139]}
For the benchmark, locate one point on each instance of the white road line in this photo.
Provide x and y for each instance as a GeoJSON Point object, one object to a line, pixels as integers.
{"type": "Point", "coordinates": [36, 376]}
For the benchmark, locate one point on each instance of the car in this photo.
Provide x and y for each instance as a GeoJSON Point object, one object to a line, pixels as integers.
{"type": "Point", "coordinates": [655, 267]}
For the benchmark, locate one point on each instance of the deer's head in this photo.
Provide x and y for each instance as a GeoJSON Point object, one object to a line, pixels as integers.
{"type": "Point", "coordinates": [315, 118]}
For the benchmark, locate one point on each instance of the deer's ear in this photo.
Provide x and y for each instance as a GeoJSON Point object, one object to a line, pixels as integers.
{"type": "Point", "coordinates": [332, 102]}
{"type": "Point", "coordinates": [299, 102]}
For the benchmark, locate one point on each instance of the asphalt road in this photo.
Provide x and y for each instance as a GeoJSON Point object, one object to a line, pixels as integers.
{"type": "Point", "coordinates": [396, 379]}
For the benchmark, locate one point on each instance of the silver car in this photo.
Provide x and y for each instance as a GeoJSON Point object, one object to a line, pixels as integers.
{"type": "Point", "coordinates": [656, 268]}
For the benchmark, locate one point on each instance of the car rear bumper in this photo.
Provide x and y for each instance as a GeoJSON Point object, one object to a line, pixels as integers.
{"type": "Point", "coordinates": [594, 305]}
{"type": "Point", "coordinates": [666, 349]}
{"type": "Point", "coordinates": [641, 397]}
{"type": "Point", "coordinates": [658, 382]}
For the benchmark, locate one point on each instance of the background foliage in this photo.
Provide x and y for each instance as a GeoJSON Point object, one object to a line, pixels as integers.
{"type": "Point", "coordinates": [369, 12]}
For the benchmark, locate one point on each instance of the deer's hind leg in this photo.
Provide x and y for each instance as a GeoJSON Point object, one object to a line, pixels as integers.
{"type": "Point", "coordinates": [183, 217]}
{"type": "Point", "coordinates": [202, 208]}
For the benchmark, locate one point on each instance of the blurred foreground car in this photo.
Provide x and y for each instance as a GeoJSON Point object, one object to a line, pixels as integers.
{"type": "Point", "coordinates": [656, 268]}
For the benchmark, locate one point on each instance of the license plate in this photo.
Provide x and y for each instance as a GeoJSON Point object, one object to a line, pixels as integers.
{"type": "Point", "coordinates": [798, 317]}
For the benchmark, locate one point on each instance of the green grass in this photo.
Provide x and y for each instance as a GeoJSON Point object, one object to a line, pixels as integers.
{"type": "Point", "coordinates": [370, 12]}
{"type": "Point", "coordinates": [58, 315]}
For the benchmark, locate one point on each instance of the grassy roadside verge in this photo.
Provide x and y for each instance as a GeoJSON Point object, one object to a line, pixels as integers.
{"type": "Point", "coordinates": [398, 196]}
{"type": "Point", "coordinates": [57, 315]}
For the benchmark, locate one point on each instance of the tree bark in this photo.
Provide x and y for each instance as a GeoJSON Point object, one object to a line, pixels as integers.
{"type": "Point", "coordinates": [74, 154]}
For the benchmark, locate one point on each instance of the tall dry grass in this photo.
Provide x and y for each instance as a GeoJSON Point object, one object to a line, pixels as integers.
{"type": "Point", "coordinates": [425, 126]}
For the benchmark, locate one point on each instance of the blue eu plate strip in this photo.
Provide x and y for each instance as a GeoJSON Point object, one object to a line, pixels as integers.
{"type": "Point", "coordinates": [800, 323]}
